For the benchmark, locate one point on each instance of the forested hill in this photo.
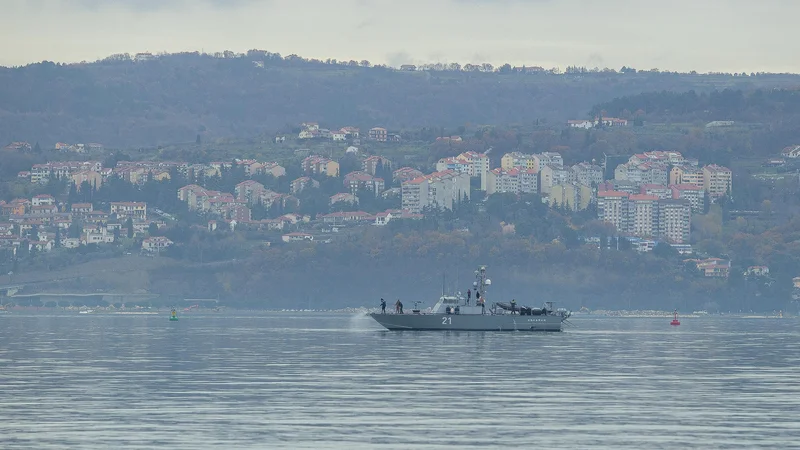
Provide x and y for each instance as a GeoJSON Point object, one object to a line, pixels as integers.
{"type": "Point", "coordinates": [759, 105]}
{"type": "Point", "coordinates": [121, 102]}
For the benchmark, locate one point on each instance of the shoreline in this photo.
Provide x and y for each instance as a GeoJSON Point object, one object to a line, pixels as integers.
{"type": "Point", "coordinates": [634, 314]}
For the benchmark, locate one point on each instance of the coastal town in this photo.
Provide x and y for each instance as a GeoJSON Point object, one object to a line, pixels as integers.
{"type": "Point", "coordinates": [649, 198]}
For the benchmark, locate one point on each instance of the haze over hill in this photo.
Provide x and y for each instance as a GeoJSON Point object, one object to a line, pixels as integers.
{"type": "Point", "coordinates": [120, 102]}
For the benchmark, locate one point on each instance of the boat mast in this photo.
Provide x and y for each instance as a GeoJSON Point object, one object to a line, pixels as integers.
{"type": "Point", "coordinates": [444, 281]}
{"type": "Point", "coordinates": [480, 283]}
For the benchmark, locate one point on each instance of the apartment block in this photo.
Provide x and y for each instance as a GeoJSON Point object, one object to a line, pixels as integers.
{"type": "Point", "coordinates": [472, 163]}
{"type": "Point", "coordinates": [694, 194]}
{"type": "Point", "coordinates": [553, 174]}
{"type": "Point", "coordinates": [441, 190]}
{"type": "Point", "coordinates": [674, 220]}
{"type": "Point", "coordinates": [588, 174]}
{"type": "Point", "coordinates": [717, 180]}
{"type": "Point", "coordinates": [612, 207]}
{"type": "Point", "coordinates": [518, 160]}
{"type": "Point", "coordinates": [573, 196]}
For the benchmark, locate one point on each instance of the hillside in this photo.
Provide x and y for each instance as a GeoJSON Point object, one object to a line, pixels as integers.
{"type": "Point", "coordinates": [122, 103]}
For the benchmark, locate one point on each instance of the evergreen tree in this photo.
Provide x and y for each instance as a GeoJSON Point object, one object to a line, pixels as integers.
{"type": "Point", "coordinates": [129, 226]}
{"type": "Point", "coordinates": [58, 237]}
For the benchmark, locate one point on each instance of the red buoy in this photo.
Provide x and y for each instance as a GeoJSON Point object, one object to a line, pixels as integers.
{"type": "Point", "coordinates": [675, 320]}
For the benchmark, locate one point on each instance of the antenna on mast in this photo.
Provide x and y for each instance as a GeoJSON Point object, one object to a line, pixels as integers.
{"type": "Point", "coordinates": [444, 280]}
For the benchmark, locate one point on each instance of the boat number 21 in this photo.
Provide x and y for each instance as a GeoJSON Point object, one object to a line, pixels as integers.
{"type": "Point", "coordinates": [447, 320]}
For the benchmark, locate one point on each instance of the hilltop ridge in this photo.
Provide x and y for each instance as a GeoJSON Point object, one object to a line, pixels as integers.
{"type": "Point", "coordinates": [123, 101]}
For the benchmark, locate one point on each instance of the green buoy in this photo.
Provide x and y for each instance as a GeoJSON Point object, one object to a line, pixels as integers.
{"type": "Point", "coordinates": [174, 316]}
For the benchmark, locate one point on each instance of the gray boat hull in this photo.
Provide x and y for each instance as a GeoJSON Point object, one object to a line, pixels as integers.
{"type": "Point", "coordinates": [469, 322]}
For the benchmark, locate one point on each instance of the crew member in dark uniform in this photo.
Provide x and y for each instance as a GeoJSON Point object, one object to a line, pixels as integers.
{"type": "Point", "coordinates": [383, 306]}
{"type": "Point", "coordinates": [469, 295]}
{"type": "Point", "coordinates": [400, 305]}
{"type": "Point", "coordinates": [513, 306]}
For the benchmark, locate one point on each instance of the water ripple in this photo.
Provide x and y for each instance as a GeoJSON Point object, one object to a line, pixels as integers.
{"type": "Point", "coordinates": [337, 381]}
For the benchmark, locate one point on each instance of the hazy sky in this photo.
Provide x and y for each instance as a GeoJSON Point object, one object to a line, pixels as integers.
{"type": "Point", "coordinates": [702, 35]}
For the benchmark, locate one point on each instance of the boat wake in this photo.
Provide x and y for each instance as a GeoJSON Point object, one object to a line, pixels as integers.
{"type": "Point", "coordinates": [360, 321]}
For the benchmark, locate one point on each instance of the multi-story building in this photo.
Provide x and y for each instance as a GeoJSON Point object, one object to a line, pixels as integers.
{"type": "Point", "coordinates": [717, 180]}
{"type": "Point", "coordinates": [199, 198]}
{"type": "Point", "coordinates": [528, 181]}
{"type": "Point", "coordinates": [298, 185]}
{"type": "Point", "coordinates": [362, 181]}
{"type": "Point", "coordinates": [646, 215]}
{"type": "Point", "coordinates": [405, 174]}
{"type": "Point", "coordinates": [441, 190]}
{"type": "Point", "coordinates": [659, 190]}
{"type": "Point", "coordinates": [547, 158]}
{"type": "Point", "coordinates": [518, 160]}
{"type": "Point", "coordinates": [79, 210]}
{"type": "Point", "coordinates": [371, 164]}
{"type": "Point", "coordinates": [343, 197]}
{"type": "Point", "coordinates": [642, 210]}
{"type": "Point", "coordinates": [43, 200]}
{"type": "Point", "coordinates": [316, 164]}
{"type": "Point", "coordinates": [674, 220]}
{"type": "Point", "coordinates": [134, 210]}
{"type": "Point", "coordinates": [588, 174]}
{"type": "Point", "coordinates": [378, 134]}
{"type": "Point", "coordinates": [690, 192]}
{"type": "Point", "coordinates": [502, 180]}
{"type": "Point", "coordinates": [573, 196]}
{"type": "Point", "coordinates": [612, 207]}
{"type": "Point", "coordinates": [668, 157]}
{"type": "Point", "coordinates": [646, 173]}
{"type": "Point", "coordinates": [792, 151]}
{"type": "Point", "coordinates": [472, 163]}
{"type": "Point", "coordinates": [553, 174]}
{"type": "Point", "coordinates": [686, 174]}
{"type": "Point", "coordinates": [620, 186]}
{"type": "Point", "coordinates": [248, 191]}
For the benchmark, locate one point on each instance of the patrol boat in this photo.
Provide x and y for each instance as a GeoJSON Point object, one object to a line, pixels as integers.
{"type": "Point", "coordinates": [454, 312]}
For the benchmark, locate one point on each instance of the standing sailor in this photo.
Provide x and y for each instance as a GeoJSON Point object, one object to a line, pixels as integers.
{"type": "Point", "coordinates": [469, 295]}
{"type": "Point", "coordinates": [383, 306]}
{"type": "Point", "coordinates": [513, 306]}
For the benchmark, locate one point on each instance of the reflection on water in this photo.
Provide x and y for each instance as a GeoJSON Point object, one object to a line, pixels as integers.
{"type": "Point", "coordinates": [339, 381]}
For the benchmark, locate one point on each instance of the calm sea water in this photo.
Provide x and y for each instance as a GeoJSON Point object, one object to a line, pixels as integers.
{"type": "Point", "coordinates": [292, 380]}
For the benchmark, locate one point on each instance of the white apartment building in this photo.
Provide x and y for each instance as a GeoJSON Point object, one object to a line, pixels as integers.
{"type": "Point", "coordinates": [656, 156]}
{"type": "Point", "coordinates": [440, 190]}
{"type": "Point", "coordinates": [553, 174]}
{"type": "Point", "coordinates": [472, 163]}
{"type": "Point", "coordinates": [518, 160]}
{"type": "Point", "coordinates": [646, 173]}
{"type": "Point", "coordinates": [547, 158]}
{"type": "Point", "coordinates": [686, 174]}
{"type": "Point", "coordinates": [658, 190]}
{"type": "Point", "coordinates": [646, 215]}
{"type": "Point", "coordinates": [694, 194]}
{"type": "Point", "coordinates": [642, 211]}
{"type": "Point", "coordinates": [588, 174]}
{"type": "Point", "coordinates": [717, 180]}
{"type": "Point", "coordinates": [516, 181]}
{"type": "Point", "coordinates": [674, 220]}
{"type": "Point", "coordinates": [573, 196]}
{"type": "Point", "coordinates": [612, 207]}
